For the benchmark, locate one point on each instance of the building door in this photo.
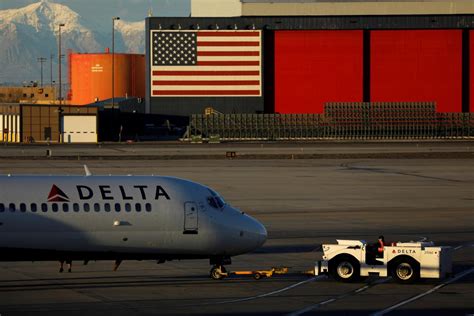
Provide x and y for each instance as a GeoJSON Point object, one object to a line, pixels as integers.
{"type": "Point", "coordinates": [79, 128]}
{"type": "Point", "coordinates": [190, 218]}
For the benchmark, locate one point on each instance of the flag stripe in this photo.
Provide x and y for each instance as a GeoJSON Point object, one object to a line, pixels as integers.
{"type": "Point", "coordinates": [229, 49]}
{"type": "Point", "coordinates": [221, 53]}
{"type": "Point", "coordinates": [208, 92]}
{"type": "Point", "coordinates": [229, 63]}
{"type": "Point", "coordinates": [206, 82]}
{"type": "Point", "coordinates": [227, 43]}
{"type": "Point", "coordinates": [206, 73]}
{"type": "Point", "coordinates": [228, 33]}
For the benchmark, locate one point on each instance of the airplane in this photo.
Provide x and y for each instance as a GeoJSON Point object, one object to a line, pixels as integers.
{"type": "Point", "coordinates": [44, 218]}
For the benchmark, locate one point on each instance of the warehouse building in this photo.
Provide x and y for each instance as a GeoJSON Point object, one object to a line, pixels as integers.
{"type": "Point", "coordinates": [294, 57]}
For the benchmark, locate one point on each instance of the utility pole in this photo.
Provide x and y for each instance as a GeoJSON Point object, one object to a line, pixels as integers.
{"type": "Point", "coordinates": [41, 60]}
{"type": "Point", "coordinates": [115, 18]}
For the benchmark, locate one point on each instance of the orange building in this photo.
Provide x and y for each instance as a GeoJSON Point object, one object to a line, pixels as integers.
{"type": "Point", "coordinates": [90, 77]}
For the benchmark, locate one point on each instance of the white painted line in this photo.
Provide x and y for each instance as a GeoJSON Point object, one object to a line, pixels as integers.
{"type": "Point", "coordinates": [414, 298]}
{"type": "Point", "coordinates": [317, 305]}
{"type": "Point", "coordinates": [458, 247]}
{"type": "Point", "coordinates": [319, 277]}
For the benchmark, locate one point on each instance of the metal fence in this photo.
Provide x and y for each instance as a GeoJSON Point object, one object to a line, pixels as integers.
{"type": "Point", "coordinates": [339, 121]}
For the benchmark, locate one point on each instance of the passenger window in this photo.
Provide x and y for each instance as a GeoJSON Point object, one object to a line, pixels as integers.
{"type": "Point", "coordinates": [44, 207]}
{"type": "Point", "coordinates": [23, 207]}
{"type": "Point", "coordinates": [117, 207]}
{"type": "Point", "coordinates": [12, 207]}
{"type": "Point", "coordinates": [75, 207]}
{"type": "Point", "coordinates": [97, 207]}
{"type": "Point", "coordinates": [128, 207]}
{"type": "Point", "coordinates": [148, 207]}
{"type": "Point", "coordinates": [107, 207]}
{"type": "Point", "coordinates": [2, 208]}
{"type": "Point", "coordinates": [87, 207]}
{"type": "Point", "coordinates": [55, 207]}
{"type": "Point", "coordinates": [138, 207]}
{"type": "Point", "coordinates": [65, 207]}
{"type": "Point", "coordinates": [33, 207]}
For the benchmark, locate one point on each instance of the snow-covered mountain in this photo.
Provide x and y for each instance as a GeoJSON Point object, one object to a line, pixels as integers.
{"type": "Point", "coordinates": [32, 31]}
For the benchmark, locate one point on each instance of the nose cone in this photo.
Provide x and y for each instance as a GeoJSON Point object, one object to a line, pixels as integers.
{"type": "Point", "coordinates": [256, 231]}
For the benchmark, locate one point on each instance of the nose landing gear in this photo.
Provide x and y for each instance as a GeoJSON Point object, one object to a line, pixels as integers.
{"type": "Point", "coordinates": [218, 272]}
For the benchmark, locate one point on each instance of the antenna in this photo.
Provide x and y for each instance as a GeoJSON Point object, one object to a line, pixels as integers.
{"type": "Point", "coordinates": [87, 171]}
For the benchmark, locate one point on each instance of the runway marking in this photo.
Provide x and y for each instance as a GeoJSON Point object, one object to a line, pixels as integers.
{"type": "Point", "coordinates": [414, 298]}
{"type": "Point", "coordinates": [458, 247]}
{"type": "Point", "coordinates": [319, 277]}
{"type": "Point", "coordinates": [354, 292]}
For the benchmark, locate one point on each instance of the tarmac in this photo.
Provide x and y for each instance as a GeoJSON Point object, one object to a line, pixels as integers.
{"type": "Point", "coordinates": [303, 202]}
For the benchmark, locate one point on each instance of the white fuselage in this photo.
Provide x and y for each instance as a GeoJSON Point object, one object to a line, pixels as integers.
{"type": "Point", "coordinates": [126, 217]}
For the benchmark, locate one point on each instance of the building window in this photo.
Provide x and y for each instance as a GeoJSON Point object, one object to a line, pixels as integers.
{"type": "Point", "coordinates": [55, 207]}
{"type": "Point", "coordinates": [107, 207]}
{"type": "Point", "coordinates": [44, 207]}
{"type": "Point", "coordinates": [75, 207]}
{"type": "Point", "coordinates": [65, 207]}
{"type": "Point", "coordinates": [87, 207]}
{"type": "Point", "coordinates": [23, 207]}
{"type": "Point", "coordinates": [138, 207]}
{"type": "Point", "coordinates": [32, 95]}
{"type": "Point", "coordinates": [128, 207]}
{"type": "Point", "coordinates": [12, 207]}
{"type": "Point", "coordinates": [117, 207]}
{"type": "Point", "coordinates": [24, 95]}
{"type": "Point", "coordinates": [148, 207]}
{"type": "Point", "coordinates": [46, 95]}
{"type": "Point", "coordinates": [2, 208]}
{"type": "Point", "coordinates": [33, 207]}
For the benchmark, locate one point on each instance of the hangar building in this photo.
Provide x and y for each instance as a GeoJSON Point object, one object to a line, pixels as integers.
{"type": "Point", "coordinates": [254, 56]}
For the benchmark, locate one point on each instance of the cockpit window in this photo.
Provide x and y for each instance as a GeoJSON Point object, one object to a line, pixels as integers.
{"type": "Point", "coordinates": [212, 202]}
{"type": "Point", "coordinates": [216, 201]}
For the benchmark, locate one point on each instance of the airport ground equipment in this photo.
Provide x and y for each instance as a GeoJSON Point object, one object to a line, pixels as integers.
{"type": "Point", "coordinates": [217, 274]}
{"type": "Point", "coordinates": [340, 120]}
{"type": "Point", "coordinates": [349, 260]}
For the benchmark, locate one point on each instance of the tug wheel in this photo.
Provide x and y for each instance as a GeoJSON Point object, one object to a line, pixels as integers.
{"type": "Point", "coordinates": [345, 269]}
{"type": "Point", "coordinates": [405, 270]}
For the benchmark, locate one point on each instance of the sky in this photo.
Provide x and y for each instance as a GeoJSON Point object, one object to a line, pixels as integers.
{"type": "Point", "coordinates": [101, 11]}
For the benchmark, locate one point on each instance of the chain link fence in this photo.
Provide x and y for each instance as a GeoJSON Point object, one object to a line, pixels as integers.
{"type": "Point", "coordinates": [354, 120]}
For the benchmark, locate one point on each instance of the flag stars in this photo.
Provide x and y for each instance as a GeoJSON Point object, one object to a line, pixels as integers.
{"type": "Point", "coordinates": [175, 49]}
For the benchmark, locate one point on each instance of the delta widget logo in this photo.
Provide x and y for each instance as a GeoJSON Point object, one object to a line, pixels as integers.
{"type": "Point", "coordinates": [57, 195]}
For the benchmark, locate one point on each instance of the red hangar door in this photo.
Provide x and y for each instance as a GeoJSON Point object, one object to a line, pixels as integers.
{"type": "Point", "coordinates": [315, 67]}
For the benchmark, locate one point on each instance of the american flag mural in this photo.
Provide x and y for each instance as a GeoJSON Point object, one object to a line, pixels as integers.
{"type": "Point", "coordinates": [206, 63]}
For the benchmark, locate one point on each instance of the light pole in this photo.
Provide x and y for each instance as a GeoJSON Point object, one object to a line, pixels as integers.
{"type": "Point", "coordinates": [59, 63]}
{"type": "Point", "coordinates": [60, 83]}
{"type": "Point", "coordinates": [51, 56]}
{"type": "Point", "coordinates": [41, 60]}
{"type": "Point", "coordinates": [115, 18]}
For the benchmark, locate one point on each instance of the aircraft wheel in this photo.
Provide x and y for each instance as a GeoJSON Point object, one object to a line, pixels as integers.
{"type": "Point", "coordinates": [217, 273]}
{"type": "Point", "coordinates": [257, 276]}
{"type": "Point", "coordinates": [405, 270]}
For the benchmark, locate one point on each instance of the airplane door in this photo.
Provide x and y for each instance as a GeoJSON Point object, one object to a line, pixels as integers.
{"type": "Point", "coordinates": [190, 218]}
